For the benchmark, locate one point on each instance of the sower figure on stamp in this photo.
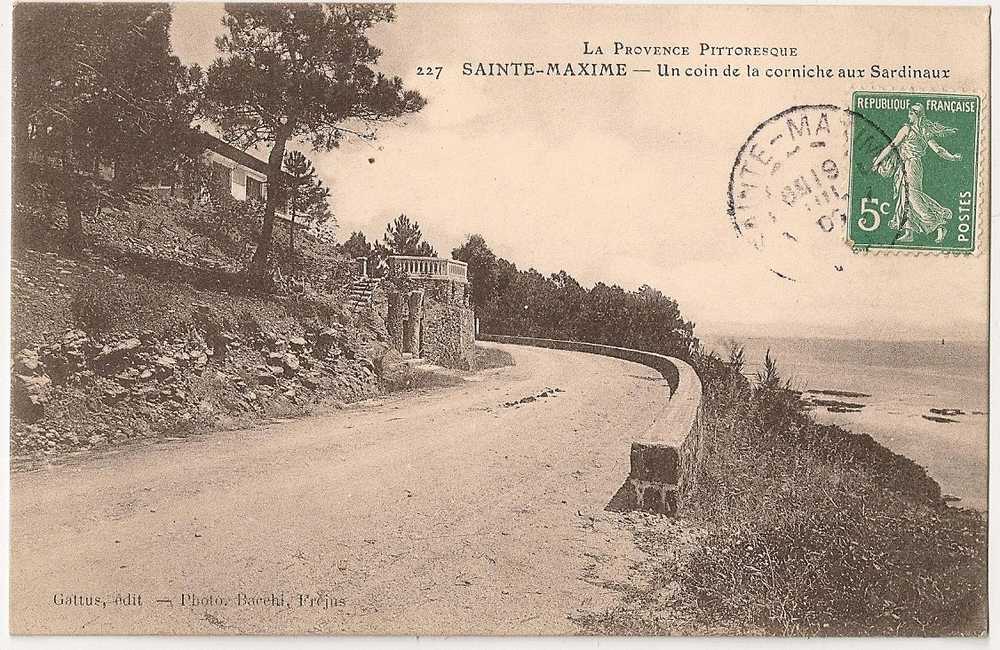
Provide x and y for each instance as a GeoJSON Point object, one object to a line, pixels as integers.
{"type": "Point", "coordinates": [915, 211]}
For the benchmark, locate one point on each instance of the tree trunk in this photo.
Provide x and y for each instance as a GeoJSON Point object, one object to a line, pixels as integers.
{"type": "Point", "coordinates": [74, 215]}
{"type": "Point", "coordinates": [291, 230]}
{"type": "Point", "coordinates": [291, 241]}
{"type": "Point", "coordinates": [258, 265]}
{"type": "Point", "coordinates": [74, 211]}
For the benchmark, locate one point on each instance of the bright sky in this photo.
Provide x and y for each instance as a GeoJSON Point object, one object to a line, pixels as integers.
{"type": "Point", "coordinates": [620, 180]}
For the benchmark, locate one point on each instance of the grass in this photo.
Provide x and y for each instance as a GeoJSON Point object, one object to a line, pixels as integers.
{"type": "Point", "coordinates": [129, 304]}
{"type": "Point", "coordinates": [406, 378]}
{"type": "Point", "coordinates": [815, 530]}
{"type": "Point", "coordinates": [487, 358]}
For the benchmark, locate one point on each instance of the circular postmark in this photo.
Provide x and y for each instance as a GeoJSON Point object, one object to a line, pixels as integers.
{"type": "Point", "coordinates": [789, 188]}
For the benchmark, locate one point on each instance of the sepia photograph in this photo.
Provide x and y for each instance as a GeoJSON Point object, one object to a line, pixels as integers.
{"type": "Point", "coordinates": [594, 320]}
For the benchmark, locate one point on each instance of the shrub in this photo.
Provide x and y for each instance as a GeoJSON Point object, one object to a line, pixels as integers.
{"type": "Point", "coordinates": [816, 530]}
{"type": "Point", "coordinates": [453, 358]}
{"type": "Point", "coordinates": [248, 325]}
{"type": "Point", "coordinates": [122, 305]}
{"type": "Point", "coordinates": [406, 378]}
{"type": "Point", "coordinates": [487, 358]}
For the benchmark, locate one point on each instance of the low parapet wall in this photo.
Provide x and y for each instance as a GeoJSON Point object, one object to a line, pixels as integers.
{"type": "Point", "coordinates": [663, 458]}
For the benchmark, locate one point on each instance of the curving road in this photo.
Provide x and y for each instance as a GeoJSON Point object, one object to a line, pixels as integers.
{"type": "Point", "coordinates": [436, 512]}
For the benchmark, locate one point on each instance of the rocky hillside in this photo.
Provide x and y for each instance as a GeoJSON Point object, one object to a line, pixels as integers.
{"type": "Point", "coordinates": [146, 336]}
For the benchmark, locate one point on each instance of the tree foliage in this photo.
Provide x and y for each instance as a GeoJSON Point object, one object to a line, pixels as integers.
{"type": "Point", "coordinates": [527, 303]}
{"type": "Point", "coordinates": [300, 71]}
{"type": "Point", "coordinates": [357, 245]}
{"type": "Point", "coordinates": [483, 269]}
{"type": "Point", "coordinates": [96, 86]}
{"type": "Point", "coordinates": [403, 237]}
{"type": "Point", "coordinates": [308, 199]}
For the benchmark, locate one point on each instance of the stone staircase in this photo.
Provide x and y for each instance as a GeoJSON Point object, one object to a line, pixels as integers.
{"type": "Point", "coordinates": [360, 293]}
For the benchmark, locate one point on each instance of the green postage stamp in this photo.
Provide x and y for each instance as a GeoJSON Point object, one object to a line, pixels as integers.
{"type": "Point", "coordinates": [914, 171]}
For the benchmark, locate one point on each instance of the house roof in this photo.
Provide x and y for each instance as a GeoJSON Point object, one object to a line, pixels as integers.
{"type": "Point", "coordinates": [237, 155]}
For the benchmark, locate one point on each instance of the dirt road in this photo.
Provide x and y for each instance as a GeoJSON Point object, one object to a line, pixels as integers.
{"type": "Point", "coordinates": [441, 512]}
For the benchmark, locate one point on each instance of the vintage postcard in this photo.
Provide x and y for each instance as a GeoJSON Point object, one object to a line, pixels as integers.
{"type": "Point", "coordinates": [474, 319]}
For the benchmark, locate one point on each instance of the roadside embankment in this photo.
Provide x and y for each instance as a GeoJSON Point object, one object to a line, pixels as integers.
{"type": "Point", "coordinates": [106, 357]}
{"type": "Point", "coordinates": [809, 529]}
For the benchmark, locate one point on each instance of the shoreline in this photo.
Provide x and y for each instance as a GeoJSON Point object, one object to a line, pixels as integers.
{"type": "Point", "coordinates": [925, 401]}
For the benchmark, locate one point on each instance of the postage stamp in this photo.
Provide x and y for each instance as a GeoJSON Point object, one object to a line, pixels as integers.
{"type": "Point", "coordinates": [918, 190]}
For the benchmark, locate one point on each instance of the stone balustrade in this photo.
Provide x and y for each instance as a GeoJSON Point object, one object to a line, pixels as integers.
{"type": "Point", "coordinates": [430, 268]}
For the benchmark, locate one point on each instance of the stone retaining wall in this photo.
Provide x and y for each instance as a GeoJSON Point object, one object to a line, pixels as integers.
{"type": "Point", "coordinates": [665, 457]}
{"type": "Point", "coordinates": [446, 333]}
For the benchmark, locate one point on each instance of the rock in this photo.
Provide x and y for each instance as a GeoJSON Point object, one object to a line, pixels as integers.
{"type": "Point", "coordinates": [346, 316]}
{"type": "Point", "coordinates": [310, 382]}
{"type": "Point", "coordinates": [127, 378]}
{"type": "Point", "coordinates": [149, 393]}
{"type": "Point", "coordinates": [29, 365]}
{"type": "Point", "coordinates": [297, 342]}
{"type": "Point", "coordinates": [267, 379]}
{"type": "Point", "coordinates": [221, 344]}
{"type": "Point", "coordinates": [112, 358]}
{"type": "Point", "coordinates": [276, 371]}
{"type": "Point", "coordinates": [327, 338]}
{"type": "Point", "coordinates": [113, 394]}
{"type": "Point", "coordinates": [29, 394]}
{"type": "Point", "coordinates": [290, 362]}
{"type": "Point", "coordinates": [290, 394]}
{"type": "Point", "coordinates": [388, 362]}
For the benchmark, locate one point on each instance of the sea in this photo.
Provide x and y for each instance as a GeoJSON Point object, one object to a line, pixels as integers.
{"type": "Point", "coordinates": [891, 387]}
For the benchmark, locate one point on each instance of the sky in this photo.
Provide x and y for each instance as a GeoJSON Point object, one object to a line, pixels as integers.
{"type": "Point", "coordinates": [625, 180]}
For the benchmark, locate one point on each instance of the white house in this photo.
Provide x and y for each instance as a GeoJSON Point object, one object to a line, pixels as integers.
{"type": "Point", "coordinates": [245, 174]}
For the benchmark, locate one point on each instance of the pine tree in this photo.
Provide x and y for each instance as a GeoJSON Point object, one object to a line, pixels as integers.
{"type": "Point", "coordinates": [300, 72]}
{"type": "Point", "coordinates": [308, 198]}
{"type": "Point", "coordinates": [403, 237]}
{"type": "Point", "coordinates": [96, 85]}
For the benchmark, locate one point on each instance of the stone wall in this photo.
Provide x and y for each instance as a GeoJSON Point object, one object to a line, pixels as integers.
{"type": "Point", "coordinates": [447, 322]}
{"type": "Point", "coordinates": [665, 458]}
{"type": "Point", "coordinates": [447, 336]}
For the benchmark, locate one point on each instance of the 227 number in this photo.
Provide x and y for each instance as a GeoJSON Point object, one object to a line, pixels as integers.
{"type": "Point", "coordinates": [430, 71]}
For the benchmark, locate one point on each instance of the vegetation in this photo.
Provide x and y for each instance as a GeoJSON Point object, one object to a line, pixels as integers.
{"type": "Point", "coordinates": [308, 198]}
{"type": "Point", "coordinates": [527, 303]}
{"type": "Point", "coordinates": [402, 237]}
{"type": "Point", "coordinates": [125, 306]}
{"type": "Point", "coordinates": [357, 245]}
{"type": "Point", "coordinates": [487, 358]}
{"type": "Point", "coordinates": [301, 71]}
{"type": "Point", "coordinates": [483, 270]}
{"type": "Point", "coordinates": [815, 530]}
{"type": "Point", "coordinates": [96, 88]}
